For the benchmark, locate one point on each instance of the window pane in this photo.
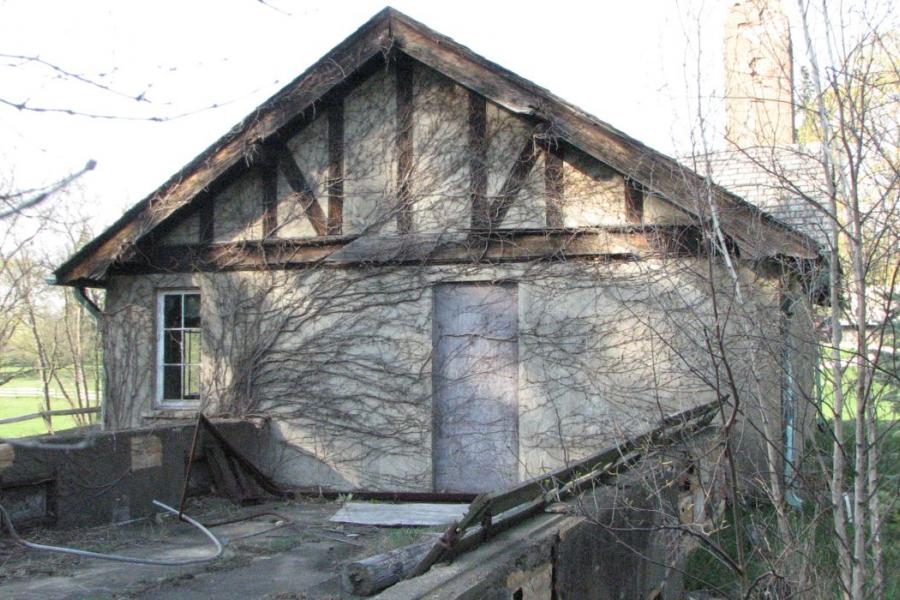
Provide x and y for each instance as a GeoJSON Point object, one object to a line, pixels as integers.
{"type": "Point", "coordinates": [172, 310]}
{"type": "Point", "coordinates": [192, 347]}
{"type": "Point", "coordinates": [172, 347]}
{"type": "Point", "coordinates": [192, 382]}
{"type": "Point", "coordinates": [172, 383]}
{"type": "Point", "coordinates": [192, 310]}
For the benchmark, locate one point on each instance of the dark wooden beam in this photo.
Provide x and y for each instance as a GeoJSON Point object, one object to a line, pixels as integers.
{"type": "Point", "coordinates": [504, 246]}
{"type": "Point", "coordinates": [554, 184]}
{"type": "Point", "coordinates": [478, 160]}
{"type": "Point", "coordinates": [634, 202]}
{"type": "Point", "coordinates": [404, 73]}
{"type": "Point", "coordinates": [206, 220]}
{"type": "Point", "coordinates": [513, 184]}
{"type": "Point", "coordinates": [336, 167]}
{"type": "Point", "coordinates": [302, 190]}
{"type": "Point", "coordinates": [268, 173]}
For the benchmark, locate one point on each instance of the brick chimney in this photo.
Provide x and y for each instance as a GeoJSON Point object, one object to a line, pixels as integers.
{"type": "Point", "coordinates": [758, 75]}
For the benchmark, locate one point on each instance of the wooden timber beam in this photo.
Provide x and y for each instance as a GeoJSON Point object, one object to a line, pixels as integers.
{"type": "Point", "coordinates": [634, 202]}
{"type": "Point", "coordinates": [207, 220]}
{"type": "Point", "coordinates": [513, 184]}
{"type": "Point", "coordinates": [336, 167]}
{"type": "Point", "coordinates": [505, 246]}
{"type": "Point", "coordinates": [268, 173]}
{"type": "Point", "coordinates": [554, 184]}
{"type": "Point", "coordinates": [478, 161]}
{"type": "Point", "coordinates": [404, 73]}
{"type": "Point", "coordinates": [302, 190]}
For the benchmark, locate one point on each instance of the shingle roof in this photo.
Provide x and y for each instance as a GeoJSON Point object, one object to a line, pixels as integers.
{"type": "Point", "coordinates": [787, 182]}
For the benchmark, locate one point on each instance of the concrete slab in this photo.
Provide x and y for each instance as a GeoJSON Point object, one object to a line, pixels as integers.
{"type": "Point", "coordinates": [409, 514]}
{"type": "Point", "coordinates": [302, 558]}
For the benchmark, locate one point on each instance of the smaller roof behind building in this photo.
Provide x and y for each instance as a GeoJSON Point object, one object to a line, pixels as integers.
{"type": "Point", "coordinates": [786, 181]}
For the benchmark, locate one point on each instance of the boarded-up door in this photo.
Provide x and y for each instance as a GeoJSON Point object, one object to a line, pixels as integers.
{"type": "Point", "coordinates": [476, 355]}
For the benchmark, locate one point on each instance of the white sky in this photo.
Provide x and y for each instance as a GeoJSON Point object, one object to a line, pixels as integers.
{"type": "Point", "coordinates": [621, 61]}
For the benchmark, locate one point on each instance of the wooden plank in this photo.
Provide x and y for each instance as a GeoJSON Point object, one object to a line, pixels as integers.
{"type": "Point", "coordinates": [207, 220]}
{"type": "Point", "coordinates": [404, 77]}
{"type": "Point", "coordinates": [222, 475]}
{"type": "Point", "coordinates": [399, 515]}
{"type": "Point", "coordinates": [634, 201]}
{"type": "Point", "coordinates": [513, 183]}
{"type": "Point", "coordinates": [554, 184]}
{"type": "Point", "coordinates": [504, 508]}
{"type": "Point", "coordinates": [478, 160]}
{"type": "Point", "coordinates": [336, 167]}
{"type": "Point", "coordinates": [485, 247]}
{"type": "Point", "coordinates": [303, 192]}
{"type": "Point", "coordinates": [261, 478]}
{"type": "Point", "coordinates": [268, 172]}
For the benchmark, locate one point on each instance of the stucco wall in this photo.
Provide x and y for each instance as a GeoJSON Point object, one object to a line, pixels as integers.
{"type": "Point", "coordinates": [344, 357]}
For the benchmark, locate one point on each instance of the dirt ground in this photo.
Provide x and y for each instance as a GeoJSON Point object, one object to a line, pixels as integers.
{"type": "Point", "coordinates": [297, 554]}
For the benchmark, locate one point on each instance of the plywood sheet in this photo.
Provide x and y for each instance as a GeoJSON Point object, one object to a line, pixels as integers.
{"type": "Point", "coordinates": [403, 514]}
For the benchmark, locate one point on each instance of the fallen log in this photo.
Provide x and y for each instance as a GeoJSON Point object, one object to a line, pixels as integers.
{"type": "Point", "coordinates": [373, 574]}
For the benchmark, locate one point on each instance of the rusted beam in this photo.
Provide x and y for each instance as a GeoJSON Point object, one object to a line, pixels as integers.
{"type": "Point", "coordinates": [404, 74]}
{"type": "Point", "coordinates": [336, 167]}
{"type": "Point", "coordinates": [478, 160]}
{"type": "Point", "coordinates": [302, 190]}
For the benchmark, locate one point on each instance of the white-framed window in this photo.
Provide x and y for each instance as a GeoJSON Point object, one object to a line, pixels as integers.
{"type": "Point", "coordinates": [178, 348]}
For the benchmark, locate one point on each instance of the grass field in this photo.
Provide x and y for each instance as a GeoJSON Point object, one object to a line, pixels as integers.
{"type": "Point", "coordinates": [22, 396]}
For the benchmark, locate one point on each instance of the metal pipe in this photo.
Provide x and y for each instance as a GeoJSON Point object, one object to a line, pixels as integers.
{"type": "Point", "coordinates": [789, 400]}
{"type": "Point", "coordinates": [119, 557]}
{"type": "Point", "coordinates": [91, 307]}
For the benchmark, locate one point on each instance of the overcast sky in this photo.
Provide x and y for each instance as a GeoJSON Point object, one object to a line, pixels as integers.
{"type": "Point", "coordinates": [621, 61]}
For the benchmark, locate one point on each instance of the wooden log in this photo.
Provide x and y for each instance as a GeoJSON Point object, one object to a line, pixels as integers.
{"type": "Point", "coordinates": [373, 574]}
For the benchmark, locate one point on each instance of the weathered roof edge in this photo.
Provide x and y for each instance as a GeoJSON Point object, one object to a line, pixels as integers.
{"type": "Point", "coordinates": [390, 28]}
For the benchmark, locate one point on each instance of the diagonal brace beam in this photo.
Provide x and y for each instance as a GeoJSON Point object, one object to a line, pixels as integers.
{"type": "Point", "coordinates": [303, 191]}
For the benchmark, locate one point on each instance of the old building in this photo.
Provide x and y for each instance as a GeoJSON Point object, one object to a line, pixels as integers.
{"type": "Point", "coordinates": [429, 273]}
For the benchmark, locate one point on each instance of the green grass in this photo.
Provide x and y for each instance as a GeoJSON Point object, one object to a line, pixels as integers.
{"type": "Point", "coordinates": [30, 403]}
{"type": "Point", "coordinates": [13, 407]}
{"type": "Point", "coordinates": [885, 392]}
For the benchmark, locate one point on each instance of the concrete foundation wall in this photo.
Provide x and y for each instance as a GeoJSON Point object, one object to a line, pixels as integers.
{"type": "Point", "coordinates": [114, 478]}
